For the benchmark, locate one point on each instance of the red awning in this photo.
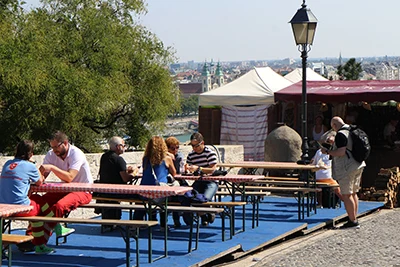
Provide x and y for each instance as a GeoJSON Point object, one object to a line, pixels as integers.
{"type": "Point", "coordinates": [343, 91]}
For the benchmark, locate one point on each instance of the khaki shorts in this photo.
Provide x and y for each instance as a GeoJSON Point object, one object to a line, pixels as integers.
{"type": "Point", "coordinates": [351, 184]}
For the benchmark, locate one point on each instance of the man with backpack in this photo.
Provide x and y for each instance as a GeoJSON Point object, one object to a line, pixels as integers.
{"type": "Point", "coordinates": [345, 168]}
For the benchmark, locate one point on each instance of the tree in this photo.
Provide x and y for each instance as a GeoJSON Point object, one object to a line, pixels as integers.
{"type": "Point", "coordinates": [84, 67]}
{"type": "Point", "coordinates": [190, 105]}
{"type": "Point", "coordinates": [350, 71]}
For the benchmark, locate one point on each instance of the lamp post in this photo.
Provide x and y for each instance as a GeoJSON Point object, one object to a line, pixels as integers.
{"type": "Point", "coordinates": [304, 24]}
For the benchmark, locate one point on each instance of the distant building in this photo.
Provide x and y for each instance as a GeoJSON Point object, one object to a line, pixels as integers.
{"type": "Point", "coordinates": [386, 71]}
{"type": "Point", "coordinates": [319, 67]}
{"type": "Point", "coordinates": [211, 77]}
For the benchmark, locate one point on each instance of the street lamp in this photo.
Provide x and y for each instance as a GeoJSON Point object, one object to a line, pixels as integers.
{"type": "Point", "coordinates": [304, 24]}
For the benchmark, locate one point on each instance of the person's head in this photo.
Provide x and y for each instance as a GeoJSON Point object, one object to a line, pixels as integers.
{"type": "Point", "coordinates": [319, 120]}
{"type": "Point", "coordinates": [197, 142]}
{"type": "Point", "coordinates": [328, 137]}
{"type": "Point", "coordinates": [172, 145]}
{"type": "Point", "coordinates": [337, 123]}
{"type": "Point", "coordinates": [117, 144]}
{"type": "Point", "coordinates": [156, 150]}
{"type": "Point", "coordinates": [24, 150]}
{"type": "Point", "coordinates": [59, 143]}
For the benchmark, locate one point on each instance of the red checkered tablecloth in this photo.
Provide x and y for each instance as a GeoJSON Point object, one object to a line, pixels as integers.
{"type": "Point", "coordinates": [233, 178]}
{"type": "Point", "coordinates": [151, 192]}
{"type": "Point", "coordinates": [7, 210]}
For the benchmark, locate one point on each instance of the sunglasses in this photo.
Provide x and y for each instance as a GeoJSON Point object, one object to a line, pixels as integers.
{"type": "Point", "coordinates": [197, 145]}
{"type": "Point", "coordinates": [174, 147]}
{"type": "Point", "coordinates": [57, 146]}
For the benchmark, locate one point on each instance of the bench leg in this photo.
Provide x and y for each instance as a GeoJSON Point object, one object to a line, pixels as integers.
{"type": "Point", "coordinates": [195, 219]}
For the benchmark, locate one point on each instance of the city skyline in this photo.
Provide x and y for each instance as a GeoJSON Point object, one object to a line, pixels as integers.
{"type": "Point", "coordinates": [233, 30]}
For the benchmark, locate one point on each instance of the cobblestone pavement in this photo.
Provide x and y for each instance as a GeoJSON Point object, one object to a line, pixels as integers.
{"type": "Point", "coordinates": [376, 243]}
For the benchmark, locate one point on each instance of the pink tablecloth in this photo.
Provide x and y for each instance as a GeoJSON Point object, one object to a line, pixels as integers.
{"type": "Point", "coordinates": [143, 190]}
{"type": "Point", "coordinates": [233, 178]}
{"type": "Point", "coordinates": [7, 210]}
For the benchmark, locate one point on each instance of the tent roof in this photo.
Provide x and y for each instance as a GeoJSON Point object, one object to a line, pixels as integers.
{"type": "Point", "coordinates": [297, 75]}
{"type": "Point", "coordinates": [343, 91]}
{"type": "Point", "coordinates": [256, 87]}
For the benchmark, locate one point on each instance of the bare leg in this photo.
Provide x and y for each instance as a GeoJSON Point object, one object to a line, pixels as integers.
{"type": "Point", "coordinates": [355, 199]}
{"type": "Point", "coordinates": [349, 204]}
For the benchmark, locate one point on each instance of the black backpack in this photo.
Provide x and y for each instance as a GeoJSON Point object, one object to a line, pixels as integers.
{"type": "Point", "coordinates": [361, 146]}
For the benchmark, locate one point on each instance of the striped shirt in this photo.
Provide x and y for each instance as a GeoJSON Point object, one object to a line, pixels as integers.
{"type": "Point", "coordinates": [204, 159]}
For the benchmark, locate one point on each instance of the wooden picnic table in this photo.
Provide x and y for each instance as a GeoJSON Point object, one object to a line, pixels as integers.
{"type": "Point", "coordinates": [250, 167]}
{"type": "Point", "coordinates": [232, 182]}
{"type": "Point", "coordinates": [151, 193]}
{"type": "Point", "coordinates": [7, 210]}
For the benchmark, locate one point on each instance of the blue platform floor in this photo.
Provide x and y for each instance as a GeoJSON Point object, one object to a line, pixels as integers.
{"type": "Point", "coordinates": [278, 219]}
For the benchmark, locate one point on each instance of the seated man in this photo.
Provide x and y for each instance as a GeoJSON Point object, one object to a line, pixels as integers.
{"type": "Point", "coordinates": [203, 157]}
{"type": "Point", "coordinates": [113, 170]}
{"type": "Point", "coordinates": [389, 132]}
{"type": "Point", "coordinates": [69, 164]}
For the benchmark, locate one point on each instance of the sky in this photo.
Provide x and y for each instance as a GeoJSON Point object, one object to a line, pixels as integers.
{"type": "Point", "coordinates": [238, 30]}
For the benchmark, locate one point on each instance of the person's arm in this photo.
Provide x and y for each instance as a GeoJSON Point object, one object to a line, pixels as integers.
{"type": "Point", "coordinates": [66, 176]}
{"type": "Point", "coordinates": [170, 165]}
{"type": "Point", "coordinates": [129, 174]}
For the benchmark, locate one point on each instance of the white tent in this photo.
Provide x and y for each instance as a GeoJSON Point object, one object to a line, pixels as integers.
{"type": "Point", "coordinates": [256, 87]}
{"type": "Point", "coordinates": [297, 75]}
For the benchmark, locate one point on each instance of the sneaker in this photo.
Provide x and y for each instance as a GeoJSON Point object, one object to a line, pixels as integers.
{"type": "Point", "coordinates": [62, 231]}
{"type": "Point", "coordinates": [204, 220]}
{"type": "Point", "coordinates": [43, 249]}
{"type": "Point", "coordinates": [211, 218]}
{"type": "Point", "coordinates": [350, 224]}
{"type": "Point", "coordinates": [26, 247]}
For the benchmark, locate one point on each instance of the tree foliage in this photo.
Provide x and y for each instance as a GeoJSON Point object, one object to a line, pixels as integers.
{"type": "Point", "coordinates": [190, 105]}
{"type": "Point", "coordinates": [84, 67]}
{"type": "Point", "coordinates": [351, 70]}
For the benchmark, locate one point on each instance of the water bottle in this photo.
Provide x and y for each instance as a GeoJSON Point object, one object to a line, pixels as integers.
{"type": "Point", "coordinates": [182, 167]}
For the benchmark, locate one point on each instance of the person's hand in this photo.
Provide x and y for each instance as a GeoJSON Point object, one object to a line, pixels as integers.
{"type": "Point", "coordinates": [324, 150]}
{"type": "Point", "coordinates": [192, 168]}
{"type": "Point", "coordinates": [132, 170]}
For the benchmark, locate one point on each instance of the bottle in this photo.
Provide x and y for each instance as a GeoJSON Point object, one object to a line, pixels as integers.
{"type": "Point", "coordinates": [182, 167]}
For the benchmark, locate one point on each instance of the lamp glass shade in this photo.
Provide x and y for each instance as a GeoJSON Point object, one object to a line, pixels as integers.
{"type": "Point", "coordinates": [304, 32]}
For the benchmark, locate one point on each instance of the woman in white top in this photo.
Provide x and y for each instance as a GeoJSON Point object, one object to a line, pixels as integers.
{"type": "Point", "coordinates": [325, 175]}
{"type": "Point", "coordinates": [319, 129]}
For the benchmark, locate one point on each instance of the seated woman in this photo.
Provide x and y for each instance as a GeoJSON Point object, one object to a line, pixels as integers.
{"type": "Point", "coordinates": [156, 166]}
{"type": "Point", "coordinates": [21, 172]}
{"type": "Point", "coordinates": [320, 159]}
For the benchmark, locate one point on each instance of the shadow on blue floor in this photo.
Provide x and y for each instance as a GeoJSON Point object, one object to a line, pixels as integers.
{"type": "Point", "coordinates": [278, 219]}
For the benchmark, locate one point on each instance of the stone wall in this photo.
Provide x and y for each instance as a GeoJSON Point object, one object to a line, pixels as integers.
{"type": "Point", "coordinates": [227, 154]}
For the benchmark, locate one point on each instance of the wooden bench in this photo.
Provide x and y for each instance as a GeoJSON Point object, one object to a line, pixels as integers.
{"type": "Point", "coordinates": [126, 235]}
{"type": "Point", "coordinates": [258, 191]}
{"type": "Point", "coordinates": [10, 239]}
{"type": "Point", "coordinates": [194, 211]}
{"type": "Point", "coordinates": [327, 189]}
{"type": "Point", "coordinates": [228, 210]}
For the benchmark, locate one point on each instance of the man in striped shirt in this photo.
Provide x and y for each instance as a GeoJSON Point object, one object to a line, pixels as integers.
{"type": "Point", "coordinates": [203, 157]}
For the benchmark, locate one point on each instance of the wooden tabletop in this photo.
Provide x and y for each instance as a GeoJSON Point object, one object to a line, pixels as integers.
{"type": "Point", "coordinates": [269, 165]}
{"type": "Point", "coordinates": [234, 178]}
{"type": "Point", "coordinates": [143, 190]}
{"type": "Point", "coordinates": [7, 210]}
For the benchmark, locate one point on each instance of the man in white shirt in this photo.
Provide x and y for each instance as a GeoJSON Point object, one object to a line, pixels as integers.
{"type": "Point", "coordinates": [69, 164]}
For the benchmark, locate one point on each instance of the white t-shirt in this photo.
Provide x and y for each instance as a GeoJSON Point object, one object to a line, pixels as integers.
{"type": "Point", "coordinates": [75, 160]}
{"type": "Point", "coordinates": [322, 159]}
